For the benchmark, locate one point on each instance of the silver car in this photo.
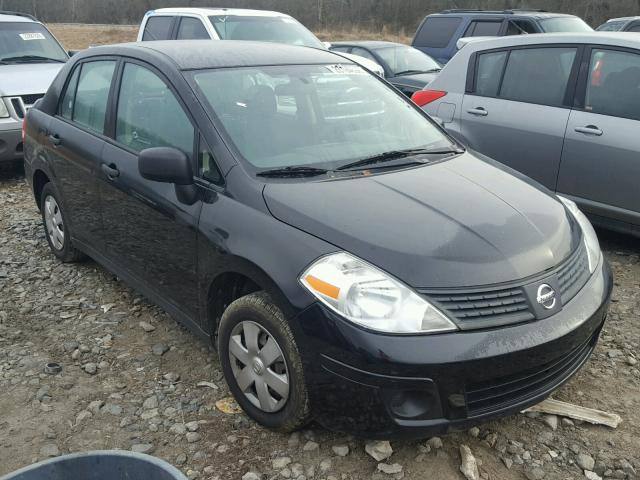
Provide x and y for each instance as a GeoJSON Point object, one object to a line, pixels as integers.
{"type": "Point", "coordinates": [563, 109]}
{"type": "Point", "coordinates": [30, 58]}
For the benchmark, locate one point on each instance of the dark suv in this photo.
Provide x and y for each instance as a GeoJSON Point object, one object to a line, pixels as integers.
{"type": "Point", "coordinates": [438, 34]}
{"type": "Point", "coordinates": [314, 224]}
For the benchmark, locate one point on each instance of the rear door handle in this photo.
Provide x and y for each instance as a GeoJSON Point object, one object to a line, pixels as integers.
{"type": "Point", "coordinates": [590, 130]}
{"type": "Point", "coordinates": [55, 139]}
{"type": "Point", "coordinates": [478, 111]}
{"type": "Point", "coordinates": [111, 171]}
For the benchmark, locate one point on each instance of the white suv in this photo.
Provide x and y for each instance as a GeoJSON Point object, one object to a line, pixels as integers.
{"type": "Point", "coordinates": [30, 58]}
{"type": "Point", "coordinates": [233, 24]}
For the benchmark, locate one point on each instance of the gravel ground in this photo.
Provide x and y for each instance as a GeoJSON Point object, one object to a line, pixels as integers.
{"type": "Point", "coordinates": [130, 378]}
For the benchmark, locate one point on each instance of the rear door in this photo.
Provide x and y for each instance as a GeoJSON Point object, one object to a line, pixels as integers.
{"type": "Point", "coordinates": [517, 106]}
{"type": "Point", "coordinates": [601, 158]}
{"type": "Point", "coordinates": [75, 142]}
{"type": "Point", "coordinates": [437, 36]}
{"type": "Point", "coordinates": [149, 232]}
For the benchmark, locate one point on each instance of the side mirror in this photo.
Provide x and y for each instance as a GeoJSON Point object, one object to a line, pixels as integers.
{"type": "Point", "coordinates": [327, 45]}
{"type": "Point", "coordinates": [164, 164]}
{"type": "Point", "coordinates": [439, 121]}
{"type": "Point", "coordinates": [71, 53]}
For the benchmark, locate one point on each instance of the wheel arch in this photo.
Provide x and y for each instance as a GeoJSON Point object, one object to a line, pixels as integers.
{"type": "Point", "coordinates": [39, 180]}
{"type": "Point", "coordinates": [240, 277]}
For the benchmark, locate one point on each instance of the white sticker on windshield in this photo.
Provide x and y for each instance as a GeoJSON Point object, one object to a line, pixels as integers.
{"type": "Point", "coordinates": [345, 68]}
{"type": "Point", "coordinates": [32, 36]}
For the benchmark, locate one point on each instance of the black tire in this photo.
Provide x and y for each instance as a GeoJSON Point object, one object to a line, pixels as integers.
{"type": "Point", "coordinates": [67, 253]}
{"type": "Point", "coordinates": [258, 307]}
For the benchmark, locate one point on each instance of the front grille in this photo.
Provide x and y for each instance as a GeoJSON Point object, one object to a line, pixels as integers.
{"type": "Point", "coordinates": [29, 100]}
{"type": "Point", "coordinates": [476, 308]}
{"type": "Point", "coordinates": [22, 104]}
{"type": "Point", "coordinates": [488, 308]}
{"type": "Point", "coordinates": [496, 394]}
{"type": "Point", "coordinates": [573, 274]}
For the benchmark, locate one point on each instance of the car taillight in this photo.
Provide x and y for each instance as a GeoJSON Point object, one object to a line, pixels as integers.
{"type": "Point", "coordinates": [424, 97]}
{"type": "Point", "coordinates": [24, 129]}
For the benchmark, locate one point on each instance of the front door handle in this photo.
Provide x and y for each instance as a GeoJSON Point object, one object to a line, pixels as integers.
{"type": "Point", "coordinates": [111, 171]}
{"type": "Point", "coordinates": [590, 130]}
{"type": "Point", "coordinates": [55, 139]}
{"type": "Point", "coordinates": [478, 111]}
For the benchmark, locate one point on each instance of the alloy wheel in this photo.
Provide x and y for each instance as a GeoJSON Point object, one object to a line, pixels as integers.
{"type": "Point", "coordinates": [259, 366]}
{"type": "Point", "coordinates": [53, 222]}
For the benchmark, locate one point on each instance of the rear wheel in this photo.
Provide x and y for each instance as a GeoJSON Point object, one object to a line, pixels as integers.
{"type": "Point", "coordinates": [55, 227]}
{"type": "Point", "coordinates": [261, 363]}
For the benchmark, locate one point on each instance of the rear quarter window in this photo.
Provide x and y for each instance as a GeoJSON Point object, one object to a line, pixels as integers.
{"type": "Point", "coordinates": [158, 28]}
{"type": "Point", "coordinates": [436, 32]}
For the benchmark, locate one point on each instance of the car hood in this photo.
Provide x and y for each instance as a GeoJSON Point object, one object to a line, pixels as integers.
{"type": "Point", "coordinates": [456, 223]}
{"type": "Point", "coordinates": [27, 78]}
{"type": "Point", "coordinates": [418, 80]}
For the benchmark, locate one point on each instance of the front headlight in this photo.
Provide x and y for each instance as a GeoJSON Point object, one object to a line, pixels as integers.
{"type": "Point", "coordinates": [369, 297]}
{"type": "Point", "coordinates": [4, 113]}
{"type": "Point", "coordinates": [589, 234]}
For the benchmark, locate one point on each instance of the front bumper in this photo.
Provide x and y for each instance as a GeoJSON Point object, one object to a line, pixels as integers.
{"type": "Point", "coordinates": [10, 142]}
{"type": "Point", "coordinates": [383, 386]}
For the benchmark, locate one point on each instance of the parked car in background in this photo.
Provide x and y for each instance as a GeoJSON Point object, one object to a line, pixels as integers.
{"type": "Point", "coordinates": [233, 24]}
{"type": "Point", "coordinates": [30, 58]}
{"type": "Point", "coordinates": [623, 24]}
{"type": "Point", "coordinates": [282, 203]}
{"type": "Point", "coordinates": [438, 34]}
{"type": "Point", "coordinates": [562, 109]}
{"type": "Point", "coordinates": [406, 68]}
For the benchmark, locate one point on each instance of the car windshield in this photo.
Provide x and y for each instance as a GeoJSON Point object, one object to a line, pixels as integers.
{"type": "Point", "coordinates": [23, 42]}
{"type": "Point", "coordinates": [320, 116]}
{"type": "Point", "coordinates": [264, 29]}
{"type": "Point", "coordinates": [611, 27]}
{"type": "Point", "coordinates": [565, 24]}
{"type": "Point", "coordinates": [404, 59]}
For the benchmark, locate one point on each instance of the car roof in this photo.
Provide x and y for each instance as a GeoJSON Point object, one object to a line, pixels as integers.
{"type": "Point", "coordinates": [204, 54]}
{"type": "Point", "coordinates": [621, 19]}
{"type": "Point", "coordinates": [621, 39]}
{"type": "Point", "coordinates": [10, 17]}
{"type": "Point", "coordinates": [540, 14]}
{"type": "Point", "coordinates": [372, 44]}
{"type": "Point", "coordinates": [217, 11]}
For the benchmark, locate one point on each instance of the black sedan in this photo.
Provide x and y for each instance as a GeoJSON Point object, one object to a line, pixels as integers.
{"type": "Point", "coordinates": [406, 68]}
{"type": "Point", "coordinates": [350, 261]}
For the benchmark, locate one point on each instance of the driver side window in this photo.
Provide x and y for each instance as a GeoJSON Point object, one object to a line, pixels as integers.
{"type": "Point", "coordinates": [149, 115]}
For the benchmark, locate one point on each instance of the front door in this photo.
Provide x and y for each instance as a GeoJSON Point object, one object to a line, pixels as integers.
{"type": "Point", "coordinates": [147, 230]}
{"type": "Point", "coordinates": [601, 158]}
{"type": "Point", "coordinates": [75, 142]}
{"type": "Point", "coordinates": [516, 110]}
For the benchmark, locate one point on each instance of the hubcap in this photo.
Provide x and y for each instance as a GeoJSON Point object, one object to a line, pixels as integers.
{"type": "Point", "coordinates": [258, 366]}
{"type": "Point", "coordinates": [53, 222]}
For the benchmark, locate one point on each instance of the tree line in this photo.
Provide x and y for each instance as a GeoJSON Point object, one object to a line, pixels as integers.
{"type": "Point", "coordinates": [393, 15]}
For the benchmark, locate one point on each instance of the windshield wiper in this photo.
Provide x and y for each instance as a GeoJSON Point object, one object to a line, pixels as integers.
{"type": "Point", "coordinates": [396, 154]}
{"type": "Point", "coordinates": [30, 58]}
{"type": "Point", "coordinates": [293, 172]}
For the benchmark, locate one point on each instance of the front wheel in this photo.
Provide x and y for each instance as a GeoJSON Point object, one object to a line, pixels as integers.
{"type": "Point", "coordinates": [261, 363]}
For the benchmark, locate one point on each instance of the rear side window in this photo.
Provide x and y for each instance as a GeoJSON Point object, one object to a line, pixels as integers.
{"type": "Point", "coordinates": [149, 115]}
{"type": "Point", "coordinates": [490, 68]}
{"type": "Point", "coordinates": [158, 28]}
{"type": "Point", "coordinates": [92, 94]}
{"type": "Point", "coordinates": [192, 29]}
{"type": "Point", "coordinates": [66, 105]}
{"type": "Point", "coordinates": [436, 32]}
{"type": "Point", "coordinates": [483, 29]}
{"type": "Point", "coordinates": [635, 28]}
{"type": "Point", "coordinates": [538, 75]}
{"type": "Point", "coordinates": [521, 27]}
{"type": "Point", "coordinates": [614, 84]}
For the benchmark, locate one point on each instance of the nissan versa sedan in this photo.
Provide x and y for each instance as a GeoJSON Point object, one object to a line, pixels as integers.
{"type": "Point", "coordinates": [352, 263]}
